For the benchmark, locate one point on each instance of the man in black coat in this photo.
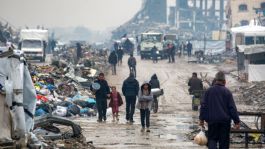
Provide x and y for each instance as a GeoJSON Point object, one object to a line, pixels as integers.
{"type": "Point", "coordinates": [154, 82]}
{"type": "Point", "coordinates": [120, 55]}
{"type": "Point", "coordinates": [132, 64]}
{"type": "Point", "coordinates": [218, 109]}
{"type": "Point", "coordinates": [101, 97]}
{"type": "Point", "coordinates": [113, 60]}
{"type": "Point", "coordinates": [173, 53]}
{"type": "Point", "coordinates": [154, 51]}
{"type": "Point", "coordinates": [130, 89]}
{"type": "Point", "coordinates": [195, 83]}
{"type": "Point", "coordinates": [189, 48]}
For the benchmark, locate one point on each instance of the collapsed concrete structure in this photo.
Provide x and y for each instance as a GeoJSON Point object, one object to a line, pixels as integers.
{"type": "Point", "coordinates": [191, 17]}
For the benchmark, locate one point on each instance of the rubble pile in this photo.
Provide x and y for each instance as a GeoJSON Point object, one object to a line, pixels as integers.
{"type": "Point", "coordinates": [63, 88]}
{"type": "Point", "coordinates": [253, 94]}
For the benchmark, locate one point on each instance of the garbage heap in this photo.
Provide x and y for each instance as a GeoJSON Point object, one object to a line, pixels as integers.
{"type": "Point", "coordinates": [63, 88]}
{"type": "Point", "coordinates": [253, 94]}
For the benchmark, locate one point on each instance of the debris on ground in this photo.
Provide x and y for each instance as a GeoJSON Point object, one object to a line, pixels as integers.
{"type": "Point", "coordinates": [253, 94]}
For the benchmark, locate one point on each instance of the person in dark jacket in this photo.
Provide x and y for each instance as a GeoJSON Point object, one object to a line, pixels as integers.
{"type": "Point", "coordinates": [132, 64]}
{"type": "Point", "coordinates": [154, 51]}
{"type": "Point", "coordinates": [217, 109]}
{"type": "Point", "coordinates": [130, 89]}
{"type": "Point", "coordinates": [120, 55]}
{"type": "Point", "coordinates": [101, 97]}
{"type": "Point", "coordinates": [189, 48]}
{"type": "Point", "coordinates": [154, 82]}
{"type": "Point", "coordinates": [173, 53]}
{"type": "Point", "coordinates": [113, 60]}
{"type": "Point", "coordinates": [169, 48]}
{"type": "Point", "coordinates": [195, 83]}
{"type": "Point", "coordinates": [78, 51]}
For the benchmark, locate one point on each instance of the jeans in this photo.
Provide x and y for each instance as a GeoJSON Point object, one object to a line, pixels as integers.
{"type": "Point", "coordinates": [130, 107]}
{"type": "Point", "coordinates": [145, 117]}
{"type": "Point", "coordinates": [113, 69]}
{"type": "Point", "coordinates": [102, 108]}
{"type": "Point", "coordinates": [219, 133]}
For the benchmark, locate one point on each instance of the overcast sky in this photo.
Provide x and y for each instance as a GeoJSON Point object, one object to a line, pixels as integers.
{"type": "Point", "coordinates": [94, 14]}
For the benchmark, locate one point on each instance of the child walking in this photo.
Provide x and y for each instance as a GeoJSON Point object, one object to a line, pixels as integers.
{"type": "Point", "coordinates": [115, 103]}
{"type": "Point", "coordinates": [145, 99]}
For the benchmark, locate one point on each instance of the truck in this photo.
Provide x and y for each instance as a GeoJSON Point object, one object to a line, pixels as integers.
{"type": "Point", "coordinates": [170, 39]}
{"type": "Point", "coordinates": [33, 43]}
{"type": "Point", "coordinates": [148, 41]}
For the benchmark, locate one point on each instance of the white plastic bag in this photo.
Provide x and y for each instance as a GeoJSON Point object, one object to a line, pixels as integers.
{"type": "Point", "coordinates": [201, 138]}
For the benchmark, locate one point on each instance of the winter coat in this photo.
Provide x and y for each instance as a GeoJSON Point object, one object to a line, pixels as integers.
{"type": "Point", "coordinates": [120, 53]}
{"type": "Point", "coordinates": [145, 101]}
{"type": "Point", "coordinates": [154, 82]}
{"type": "Point", "coordinates": [195, 84]}
{"type": "Point", "coordinates": [120, 102]}
{"type": "Point", "coordinates": [113, 58]}
{"type": "Point", "coordinates": [132, 61]}
{"type": "Point", "coordinates": [218, 106]}
{"type": "Point", "coordinates": [153, 51]}
{"type": "Point", "coordinates": [189, 46]}
{"type": "Point", "coordinates": [130, 87]}
{"type": "Point", "coordinates": [103, 90]}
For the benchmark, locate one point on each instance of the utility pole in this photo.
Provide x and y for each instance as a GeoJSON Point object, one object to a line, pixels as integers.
{"type": "Point", "coordinates": [221, 13]}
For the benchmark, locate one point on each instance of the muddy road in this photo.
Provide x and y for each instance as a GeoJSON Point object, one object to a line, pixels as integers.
{"type": "Point", "coordinates": [172, 122]}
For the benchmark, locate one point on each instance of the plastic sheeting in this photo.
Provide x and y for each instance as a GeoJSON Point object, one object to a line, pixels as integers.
{"type": "Point", "coordinates": [212, 47]}
{"type": "Point", "coordinates": [20, 77]}
{"type": "Point", "coordinates": [256, 72]}
{"type": "Point", "coordinates": [5, 120]}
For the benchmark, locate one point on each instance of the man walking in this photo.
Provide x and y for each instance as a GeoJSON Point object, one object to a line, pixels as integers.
{"type": "Point", "coordinates": [154, 51]}
{"type": "Point", "coordinates": [173, 53]}
{"type": "Point", "coordinates": [217, 109]}
{"type": "Point", "coordinates": [130, 89]}
{"type": "Point", "coordinates": [132, 64]}
{"type": "Point", "coordinates": [101, 97]}
{"type": "Point", "coordinates": [120, 55]}
{"type": "Point", "coordinates": [113, 60]}
{"type": "Point", "coordinates": [189, 48]}
{"type": "Point", "coordinates": [195, 83]}
{"type": "Point", "coordinates": [169, 48]}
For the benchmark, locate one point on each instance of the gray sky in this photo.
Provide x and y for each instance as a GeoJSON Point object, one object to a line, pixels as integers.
{"type": "Point", "coordinates": [94, 14]}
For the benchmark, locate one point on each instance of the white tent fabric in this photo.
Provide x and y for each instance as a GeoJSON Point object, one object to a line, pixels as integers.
{"type": "Point", "coordinates": [252, 49]}
{"type": "Point", "coordinates": [250, 29]}
{"type": "Point", "coordinates": [256, 73]}
{"type": "Point", "coordinates": [20, 79]}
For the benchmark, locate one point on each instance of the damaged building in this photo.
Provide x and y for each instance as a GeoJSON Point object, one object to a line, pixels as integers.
{"type": "Point", "coordinates": [192, 16]}
{"type": "Point", "coordinates": [198, 15]}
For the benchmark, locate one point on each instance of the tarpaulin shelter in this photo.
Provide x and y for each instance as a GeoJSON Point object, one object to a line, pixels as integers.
{"type": "Point", "coordinates": [253, 60]}
{"type": "Point", "coordinates": [18, 97]}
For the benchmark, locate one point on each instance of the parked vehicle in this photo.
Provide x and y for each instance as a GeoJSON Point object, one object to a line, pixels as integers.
{"type": "Point", "coordinates": [34, 42]}
{"type": "Point", "coordinates": [148, 41]}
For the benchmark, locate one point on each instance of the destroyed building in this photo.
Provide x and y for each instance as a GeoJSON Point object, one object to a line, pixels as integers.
{"type": "Point", "coordinates": [192, 16]}
{"type": "Point", "coordinates": [156, 10]}
{"type": "Point", "coordinates": [200, 15]}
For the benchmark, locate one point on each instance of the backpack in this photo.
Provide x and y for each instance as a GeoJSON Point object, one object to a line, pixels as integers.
{"type": "Point", "coordinates": [132, 61]}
